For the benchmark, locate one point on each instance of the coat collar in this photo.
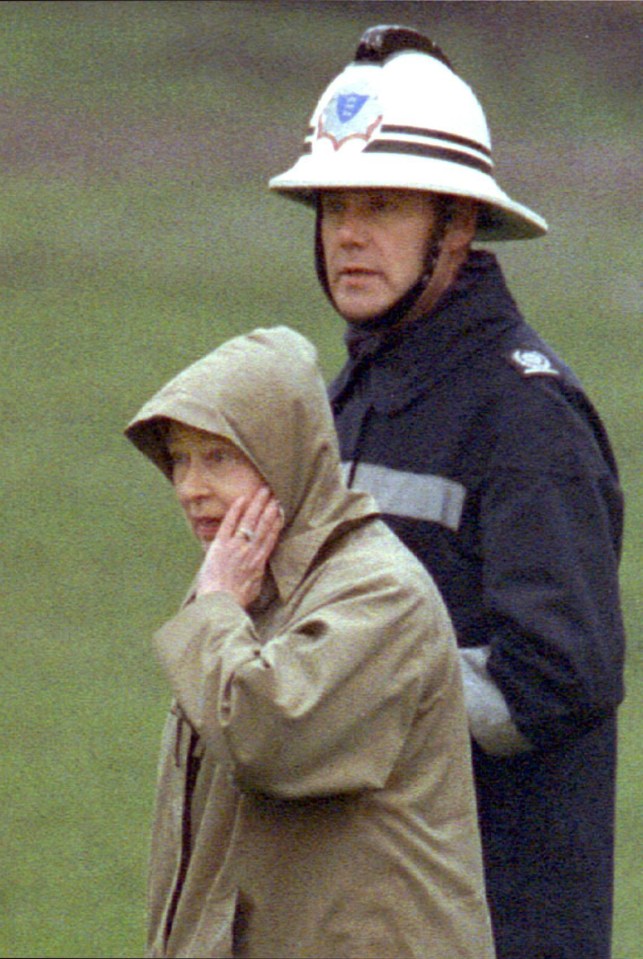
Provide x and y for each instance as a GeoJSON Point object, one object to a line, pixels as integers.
{"type": "Point", "coordinates": [299, 547]}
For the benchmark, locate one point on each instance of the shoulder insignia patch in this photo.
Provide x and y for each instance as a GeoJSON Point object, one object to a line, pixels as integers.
{"type": "Point", "coordinates": [532, 362]}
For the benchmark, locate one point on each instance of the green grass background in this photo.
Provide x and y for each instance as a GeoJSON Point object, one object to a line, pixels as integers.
{"type": "Point", "coordinates": [136, 234]}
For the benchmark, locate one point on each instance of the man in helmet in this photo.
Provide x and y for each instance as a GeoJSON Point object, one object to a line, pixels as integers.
{"type": "Point", "coordinates": [488, 460]}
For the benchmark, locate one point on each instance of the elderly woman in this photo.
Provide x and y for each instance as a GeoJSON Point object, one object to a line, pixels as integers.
{"type": "Point", "coordinates": [315, 795]}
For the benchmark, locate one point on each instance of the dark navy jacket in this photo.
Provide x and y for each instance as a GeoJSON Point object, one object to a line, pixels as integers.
{"type": "Point", "coordinates": [490, 463]}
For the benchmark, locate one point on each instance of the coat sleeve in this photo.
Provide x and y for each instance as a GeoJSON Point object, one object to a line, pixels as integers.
{"type": "Point", "coordinates": [551, 524]}
{"type": "Point", "coordinates": [322, 708]}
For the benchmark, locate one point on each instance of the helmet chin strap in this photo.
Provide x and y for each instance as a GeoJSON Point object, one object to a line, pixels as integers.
{"type": "Point", "coordinates": [429, 292]}
{"type": "Point", "coordinates": [403, 310]}
{"type": "Point", "coordinates": [399, 310]}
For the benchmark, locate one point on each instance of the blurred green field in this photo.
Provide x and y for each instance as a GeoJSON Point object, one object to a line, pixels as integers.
{"type": "Point", "coordinates": [137, 234]}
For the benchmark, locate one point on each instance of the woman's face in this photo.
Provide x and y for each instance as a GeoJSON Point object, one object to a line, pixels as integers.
{"type": "Point", "coordinates": [208, 474]}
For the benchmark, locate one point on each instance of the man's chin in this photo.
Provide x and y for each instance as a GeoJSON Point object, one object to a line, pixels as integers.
{"type": "Point", "coordinates": [360, 299]}
{"type": "Point", "coordinates": [359, 312]}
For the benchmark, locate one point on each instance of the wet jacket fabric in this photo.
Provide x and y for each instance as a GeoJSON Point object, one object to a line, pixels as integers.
{"type": "Point", "coordinates": [315, 794]}
{"type": "Point", "coordinates": [488, 460]}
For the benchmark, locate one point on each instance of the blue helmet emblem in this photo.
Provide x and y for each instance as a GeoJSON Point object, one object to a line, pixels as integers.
{"type": "Point", "coordinates": [351, 113]}
{"type": "Point", "coordinates": [349, 105]}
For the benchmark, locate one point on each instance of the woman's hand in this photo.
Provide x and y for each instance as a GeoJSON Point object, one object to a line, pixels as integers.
{"type": "Point", "coordinates": [236, 559]}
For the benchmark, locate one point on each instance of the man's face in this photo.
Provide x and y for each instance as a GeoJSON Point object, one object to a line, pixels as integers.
{"type": "Point", "coordinates": [375, 246]}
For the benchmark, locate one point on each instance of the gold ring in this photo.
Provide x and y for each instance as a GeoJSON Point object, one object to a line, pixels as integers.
{"type": "Point", "coordinates": [247, 534]}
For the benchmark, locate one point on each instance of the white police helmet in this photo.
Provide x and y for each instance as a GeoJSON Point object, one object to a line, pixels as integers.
{"type": "Point", "coordinates": [399, 117]}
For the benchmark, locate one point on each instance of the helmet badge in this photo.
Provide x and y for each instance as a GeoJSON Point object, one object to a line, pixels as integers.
{"type": "Point", "coordinates": [349, 115]}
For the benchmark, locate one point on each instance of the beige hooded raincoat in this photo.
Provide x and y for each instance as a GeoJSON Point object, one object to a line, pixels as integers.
{"type": "Point", "coordinates": [315, 796]}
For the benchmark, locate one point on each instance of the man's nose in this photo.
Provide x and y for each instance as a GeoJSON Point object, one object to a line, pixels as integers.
{"type": "Point", "coordinates": [351, 226]}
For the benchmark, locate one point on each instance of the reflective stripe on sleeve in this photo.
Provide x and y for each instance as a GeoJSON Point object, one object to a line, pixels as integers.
{"type": "Point", "coordinates": [413, 495]}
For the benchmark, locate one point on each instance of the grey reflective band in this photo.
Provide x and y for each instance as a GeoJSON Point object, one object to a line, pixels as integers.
{"type": "Point", "coordinates": [413, 495]}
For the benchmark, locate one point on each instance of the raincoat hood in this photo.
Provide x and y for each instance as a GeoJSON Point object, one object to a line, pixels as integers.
{"type": "Point", "coordinates": [264, 392]}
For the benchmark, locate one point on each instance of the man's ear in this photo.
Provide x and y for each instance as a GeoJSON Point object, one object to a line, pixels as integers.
{"type": "Point", "coordinates": [461, 226]}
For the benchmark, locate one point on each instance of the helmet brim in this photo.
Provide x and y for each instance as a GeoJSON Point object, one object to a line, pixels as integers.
{"type": "Point", "coordinates": [500, 217]}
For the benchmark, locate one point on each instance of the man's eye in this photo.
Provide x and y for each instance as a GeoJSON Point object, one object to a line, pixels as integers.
{"type": "Point", "coordinates": [332, 205]}
{"type": "Point", "coordinates": [381, 204]}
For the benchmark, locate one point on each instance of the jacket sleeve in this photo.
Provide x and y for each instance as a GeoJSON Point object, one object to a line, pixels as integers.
{"type": "Point", "coordinates": [551, 523]}
{"type": "Point", "coordinates": [322, 708]}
